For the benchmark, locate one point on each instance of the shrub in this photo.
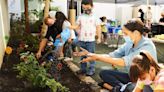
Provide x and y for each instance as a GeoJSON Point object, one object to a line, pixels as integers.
{"type": "Point", "coordinates": [36, 74]}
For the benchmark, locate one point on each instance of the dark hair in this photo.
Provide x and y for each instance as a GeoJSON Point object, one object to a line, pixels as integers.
{"type": "Point", "coordinates": [136, 24]}
{"type": "Point", "coordinates": [141, 64]}
{"type": "Point", "coordinates": [86, 2]}
{"type": "Point", "coordinates": [149, 7]}
{"type": "Point", "coordinates": [140, 10]}
{"type": "Point", "coordinates": [103, 18]}
{"type": "Point", "coordinates": [60, 18]}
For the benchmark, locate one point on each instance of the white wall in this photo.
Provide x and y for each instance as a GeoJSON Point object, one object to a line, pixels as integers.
{"type": "Point", "coordinates": [62, 4]}
{"type": "Point", "coordinates": [123, 13]}
{"type": "Point", "coordinates": [104, 9]}
{"type": "Point", "coordinates": [156, 11]}
{"type": "Point", "coordinates": [120, 12]}
{"type": "Point", "coordinates": [14, 6]}
{"type": "Point", "coordinates": [4, 27]}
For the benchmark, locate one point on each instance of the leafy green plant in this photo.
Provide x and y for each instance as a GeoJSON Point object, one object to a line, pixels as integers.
{"type": "Point", "coordinates": [36, 74]}
{"type": "Point", "coordinates": [32, 42]}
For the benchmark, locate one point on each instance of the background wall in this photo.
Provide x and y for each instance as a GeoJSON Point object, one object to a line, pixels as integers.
{"type": "Point", "coordinates": [62, 4]}
{"type": "Point", "coordinates": [156, 11]}
{"type": "Point", "coordinates": [105, 9]}
{"type": "Point", "coordinates": [4, 27]}
{"type": "Point", "coordinates": [120, 12]}
{"type": "Point", "coordinates": [123, 13]}
{"type": "Point", "coordinates": [14, 6]}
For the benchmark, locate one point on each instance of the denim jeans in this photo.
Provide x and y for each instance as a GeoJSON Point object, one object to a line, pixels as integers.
{"type": "Point", "coordinates": [114, 77]}
{"type": "Point", "coordinates": [89, 46]}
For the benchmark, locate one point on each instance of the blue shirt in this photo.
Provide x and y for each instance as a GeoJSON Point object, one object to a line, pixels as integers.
{"type": "Point", "coordinates": [65, 34]}
{"type": "Point", "coordinates": [127, 52]}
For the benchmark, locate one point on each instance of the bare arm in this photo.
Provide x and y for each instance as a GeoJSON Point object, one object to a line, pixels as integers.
{"type": "Point", "coordinates": [159, 91]}
{"type": "Point", "coordinates": [75, 27]}
{"type": "Point", "coordinates": [41, 47]}
{"type": "Point", "coordinates": [100, 57]}
{"type": "Point", "coordinates": [98, 33]}
{"type": "Point", "coordinates": [106, 59]}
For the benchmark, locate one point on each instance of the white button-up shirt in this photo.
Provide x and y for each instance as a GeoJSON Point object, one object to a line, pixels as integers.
{"type": "Point", "coordinates": [88, 25]}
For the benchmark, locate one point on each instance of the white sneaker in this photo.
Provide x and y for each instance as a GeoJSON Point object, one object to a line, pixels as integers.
{"type": "Point", "coordinates": [105, 43]}
{"type": "Point", "coordinates": [110, 46]}
{"type": "Point", "coordinates": [104, 90]}
{"type": "Point", "coordinates": [68, 59]}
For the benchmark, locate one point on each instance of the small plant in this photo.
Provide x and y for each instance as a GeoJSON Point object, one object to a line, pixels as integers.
{"type": "Point", "coordinates": [36, 74]}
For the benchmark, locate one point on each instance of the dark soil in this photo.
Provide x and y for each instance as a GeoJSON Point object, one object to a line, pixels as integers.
{"type": "Point", "coordinates": [10, 83]}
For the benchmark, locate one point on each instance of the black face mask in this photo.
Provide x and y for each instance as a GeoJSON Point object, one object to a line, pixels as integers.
{"type": "Point", "coordinates": [88, 11]}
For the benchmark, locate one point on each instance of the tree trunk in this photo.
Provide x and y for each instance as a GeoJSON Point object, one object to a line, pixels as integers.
{"type": "Point", "coordinates": [72, 13]}
{"type": "Point", "coordinates": [26, 16]}
{"type": "Point", "coordinates": [46, 11]}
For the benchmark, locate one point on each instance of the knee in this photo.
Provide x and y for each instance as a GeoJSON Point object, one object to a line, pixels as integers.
{"type": "Point", "coordinates": [102, 73]}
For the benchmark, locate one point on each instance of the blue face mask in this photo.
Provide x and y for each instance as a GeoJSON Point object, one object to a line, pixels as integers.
{"type": "Point", "coordinates": [128, 39]}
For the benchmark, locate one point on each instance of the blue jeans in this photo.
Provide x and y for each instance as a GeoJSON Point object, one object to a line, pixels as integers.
{"type": "Point", "coordinates": [114, 77]}
{"type": "Point", "coordinates": [89, 46]}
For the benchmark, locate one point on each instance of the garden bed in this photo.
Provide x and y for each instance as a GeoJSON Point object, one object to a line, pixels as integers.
{"type": "Point", "coordinates": [10, 83]}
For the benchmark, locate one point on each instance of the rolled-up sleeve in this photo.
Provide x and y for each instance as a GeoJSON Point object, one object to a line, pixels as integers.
{"type": "Point", "coordinates": [128, 59]}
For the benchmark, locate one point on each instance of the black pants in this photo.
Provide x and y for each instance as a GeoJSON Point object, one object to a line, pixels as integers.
{"type": "Point", "coordinates": [114, 77]}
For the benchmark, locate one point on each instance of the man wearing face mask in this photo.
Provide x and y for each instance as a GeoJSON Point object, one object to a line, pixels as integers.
{"type": "Point", "coordinates": [88, 29]}
{"type": "Point", "coordinates": [135, 42]}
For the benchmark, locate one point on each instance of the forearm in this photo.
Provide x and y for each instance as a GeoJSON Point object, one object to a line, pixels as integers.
{"type": "Point", "coordinates": [113, 61]}
{"type": "Point", "coordinates": [75, 27]}
{"type": "Point", "coordinates": [98, 32]}
{"type": "Point", "coordinates": [159, 91]}
{"type": "Point", "coordinates": [42, 44]}
{"type": "Point", "coordinates": [58, 36]}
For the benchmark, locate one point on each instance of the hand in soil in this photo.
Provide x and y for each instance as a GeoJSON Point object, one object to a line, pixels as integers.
{"type": "Point", "coordinates": [83, 52]}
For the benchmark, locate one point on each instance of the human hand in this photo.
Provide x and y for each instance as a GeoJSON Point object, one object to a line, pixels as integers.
{"type": "Point", "coordinates": [83, 52]}
{"type": "Point", "coordinates": [58, 36]}
{"type": "Point", "coordinates": [61, 40]}
{"type": "Point", "coordinates": [38, 55]}
{"type": "Point", "coordinates": [91, 57]}
{"type": "Point", "coordinates": [98, 41]}
{"type": "Point", "coordinates": [70, 40]}
{"type": "Point", "coordinates": [142, 83]}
